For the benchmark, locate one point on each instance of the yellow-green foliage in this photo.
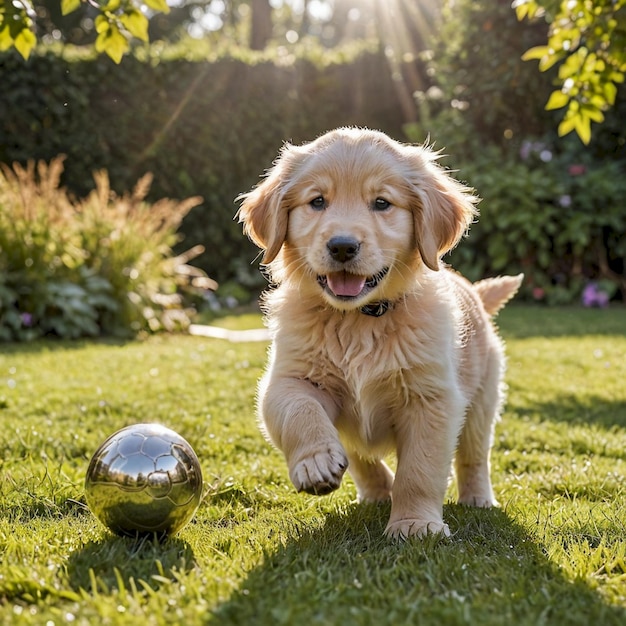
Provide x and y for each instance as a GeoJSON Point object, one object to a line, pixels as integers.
{"type": "Point", "coordinates": [102, 265]}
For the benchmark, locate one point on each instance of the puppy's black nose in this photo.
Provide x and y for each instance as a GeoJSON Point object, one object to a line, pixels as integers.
{"type": "Point", "coordinates": [343, 249]}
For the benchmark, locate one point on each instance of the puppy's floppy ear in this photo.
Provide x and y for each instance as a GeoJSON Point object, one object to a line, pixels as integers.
{"type": "Point", "coordinates": [444, 209]}
{"type": "Point", "coordinates": [263, 213]}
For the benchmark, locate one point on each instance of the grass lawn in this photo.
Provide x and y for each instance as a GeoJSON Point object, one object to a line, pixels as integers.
{"type": "Point", "coordinates": [258, 553]}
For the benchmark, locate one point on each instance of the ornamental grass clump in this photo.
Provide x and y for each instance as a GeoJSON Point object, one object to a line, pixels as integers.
{"type": "Point", "coordinates": [101, 265]}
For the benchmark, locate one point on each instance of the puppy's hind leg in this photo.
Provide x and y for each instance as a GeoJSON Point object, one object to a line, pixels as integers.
{"type": "Point", "coordinates": [472, 461]}
{"type": "Point", "coordinates": [373, 478]}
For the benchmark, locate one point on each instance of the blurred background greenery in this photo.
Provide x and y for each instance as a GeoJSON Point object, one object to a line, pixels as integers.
{"type": "Point", "coordinates": [206, 105]}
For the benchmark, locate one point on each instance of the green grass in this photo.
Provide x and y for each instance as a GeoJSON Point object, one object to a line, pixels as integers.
{"type": "Point", "coordinates": [258, 553]}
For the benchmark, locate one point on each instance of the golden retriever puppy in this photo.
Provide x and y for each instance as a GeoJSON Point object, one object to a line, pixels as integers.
{"type": "Point", "coordinates": [376, 345]}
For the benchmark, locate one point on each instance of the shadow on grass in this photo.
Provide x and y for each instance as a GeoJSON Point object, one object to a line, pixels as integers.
{"type": "Point", "coordinates": [123, 563]}
{"type": "Point", "coordinates": [489, 572]}
{"type": "Point", "coordinates": [524, 321]}
{"type": "Point", "coordinates": [571, 410]}
{"type": "Point", "coordinates": [52, 344]}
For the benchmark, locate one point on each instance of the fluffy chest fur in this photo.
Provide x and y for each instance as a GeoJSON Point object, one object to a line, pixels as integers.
{"type": "Point", "coordinates": [371, 367]}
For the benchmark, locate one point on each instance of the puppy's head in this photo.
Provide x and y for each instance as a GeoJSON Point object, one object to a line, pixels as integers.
{"type": "Point", "coordinates": [353, 213]}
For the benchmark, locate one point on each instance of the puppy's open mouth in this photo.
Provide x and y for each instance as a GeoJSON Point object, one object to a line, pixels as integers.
{"type": "Point", "coordinates": [346, 286]}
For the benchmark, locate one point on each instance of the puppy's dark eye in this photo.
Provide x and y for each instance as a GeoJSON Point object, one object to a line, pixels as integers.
{"type": "Point", "coordinates": [318, 204]}
{"type": "Point", "coordinates": [380, 204]}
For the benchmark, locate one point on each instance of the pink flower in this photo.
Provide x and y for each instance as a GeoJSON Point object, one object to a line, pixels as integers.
{"type": "Point", "coordinates": [577, 169]}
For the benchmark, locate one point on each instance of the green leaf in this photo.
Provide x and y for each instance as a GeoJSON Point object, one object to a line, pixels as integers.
{"type": "Point", "coordinates": [571, 66]}
{"type": "Point", "coordinates": [158, 5]}
{"type": "Point", "coordinates": [538, 52]}
{"type": "Point", "coordinates": [521, 8]}
{"type": "Point", "coordinates": [112, 6]}
{"type": "Point", "coordinates": [102, 24]}
{"type": "Point", "coordinates": [567, 125]}
{"type": "Point", "coordinates": [582, 126]}
{"type": "Point", "coordinates": [546, 55]}
{"type": "Point", "coordinates": [610, 92]}
{"type": "Point", "coordinates": [557, 100]}
{"type": "Point", "coordinates": [25, 42]}
{"type": "Point", "coordinates": [136, 23]}
{"type": "Point", "coordinates": [598, 101]}
{"type": "Point", "coordinates": [593, 113]}
{"type": "Point", "coordinates": [69, 6]}
{"type": "Point", "coordinates": [529, 7]}
{"type": "Point", "coordinates": [6, 40]}
{"type": "Point", "coordinates": [545, 63]}
{"type": "Point", "coordinates": [112, 42]}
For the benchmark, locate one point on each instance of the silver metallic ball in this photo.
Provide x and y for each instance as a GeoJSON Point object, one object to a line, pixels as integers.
{"type": "Point", "coordinates": [144, 479]}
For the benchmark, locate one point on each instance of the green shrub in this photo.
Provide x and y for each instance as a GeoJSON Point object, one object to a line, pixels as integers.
{"type": "Point", "coordinates": [99, 266]}
{"type": "Point", "coordinates": [557, 219]}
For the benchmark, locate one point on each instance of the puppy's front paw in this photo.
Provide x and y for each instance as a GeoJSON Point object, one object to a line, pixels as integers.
{"type": "Point", "coordinates": [405, 528]}
{"type": "Point", "coordinates": [321, 471]}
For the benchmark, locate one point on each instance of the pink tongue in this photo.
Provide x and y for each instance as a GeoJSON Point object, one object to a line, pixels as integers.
{"type": "Point", "coordinates": [345, 284]}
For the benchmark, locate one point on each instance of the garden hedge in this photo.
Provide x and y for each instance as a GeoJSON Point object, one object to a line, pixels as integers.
{"type": "Point", "coordinates": [205, 128]}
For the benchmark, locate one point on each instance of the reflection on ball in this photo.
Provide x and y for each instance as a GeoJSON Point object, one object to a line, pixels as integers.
{"type": "Point", "coordinates": [144, 479]}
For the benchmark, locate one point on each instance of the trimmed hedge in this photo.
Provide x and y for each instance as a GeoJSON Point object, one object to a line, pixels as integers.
{"type": "Point", "coordinates": [205, 128]}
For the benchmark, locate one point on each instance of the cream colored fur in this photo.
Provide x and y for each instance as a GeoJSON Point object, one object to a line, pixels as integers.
{"type": "Point", "coordinates": [344, 389]}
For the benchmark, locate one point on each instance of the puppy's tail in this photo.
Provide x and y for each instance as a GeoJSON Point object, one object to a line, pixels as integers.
{"type": "Point", "coordinates": [496, 292]}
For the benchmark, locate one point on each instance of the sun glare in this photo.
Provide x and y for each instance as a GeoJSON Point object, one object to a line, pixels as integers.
{"type": "Point", "coordinates": [404, 28]}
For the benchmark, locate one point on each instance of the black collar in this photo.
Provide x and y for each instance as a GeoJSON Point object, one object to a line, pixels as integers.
{"type": "Point", "coordinates": [376, 309]}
